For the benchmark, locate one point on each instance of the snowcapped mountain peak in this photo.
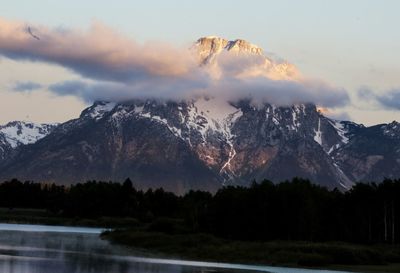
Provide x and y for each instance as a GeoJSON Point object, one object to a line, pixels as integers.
{"type": "Point", "coordinates": [18, 133]}
{"type": "Point", "coordinates": [210, 46]}
{"type": "Point", "coordinates": [215, 52]}
{"type": "Point", "coordinates": [215, 108]}
{"type": "Point", "coordinates": [391, 130]}
{"type": "Point", "coordinates": [98, 109]}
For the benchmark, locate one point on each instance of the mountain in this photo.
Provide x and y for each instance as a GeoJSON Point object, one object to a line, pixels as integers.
{"type": "Point", "coordinates": [17, 133]}
{"type": "Point", "coordinates": [206, 142]}
{"type": "Point", "coordinates": [372, 154]}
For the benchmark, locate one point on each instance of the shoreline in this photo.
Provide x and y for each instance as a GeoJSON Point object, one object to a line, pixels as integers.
{"type": "Point", "coordinates": [203, 247]}
{"type": "Point", "coordinates": [181, 244]}
{"type": "Point", "coordinates": [50, 228]}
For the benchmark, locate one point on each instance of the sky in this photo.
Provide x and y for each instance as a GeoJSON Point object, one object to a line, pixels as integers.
{"type": "Point", "coordinates": [350, 45]}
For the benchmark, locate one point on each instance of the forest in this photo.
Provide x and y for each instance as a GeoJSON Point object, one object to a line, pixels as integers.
{"type": "Point", "coordinates": [295, 210]}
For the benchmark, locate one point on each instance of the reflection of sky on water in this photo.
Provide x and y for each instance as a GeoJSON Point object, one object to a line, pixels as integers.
{"type": "Point", "coordinates": [37, 251]}
{"type": "Point", "coordinates": [44, 228]}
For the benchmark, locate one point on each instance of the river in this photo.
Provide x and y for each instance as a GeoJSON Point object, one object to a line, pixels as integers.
{"type": "Point", "coordinates": [58, 249]}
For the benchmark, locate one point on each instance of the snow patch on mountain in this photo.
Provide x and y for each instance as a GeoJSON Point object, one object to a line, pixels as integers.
{"type": "Point", "coordinates": [99, 109]}
{"type": "Point", "coordinates": [391, 130]}
{"type": "Point", "coordinates": [215, 109]}
{"type": "Point", "coordinates": [318, 133]}
{"type": "Point", "coordinates": [341, 130]}
{"type": "Point", "coordinates": [218, 118]}
{"type": "Point", "coordinates": [18, 133]}
{"type": "Point", "coordinates": [177, 132]}
{"type": "Point", "coordinates": [215, 116]}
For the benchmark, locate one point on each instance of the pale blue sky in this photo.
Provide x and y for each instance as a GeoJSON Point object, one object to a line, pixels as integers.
{"type": "Point", "coordinates": [349, 43]}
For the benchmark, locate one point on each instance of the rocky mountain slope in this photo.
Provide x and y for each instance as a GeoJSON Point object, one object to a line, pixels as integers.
{"type": "Point", "coordinates": [206, 143]}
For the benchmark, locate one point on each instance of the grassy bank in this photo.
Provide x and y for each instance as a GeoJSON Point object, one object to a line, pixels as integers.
{"type": "Point", "coordinates": [206, 247]}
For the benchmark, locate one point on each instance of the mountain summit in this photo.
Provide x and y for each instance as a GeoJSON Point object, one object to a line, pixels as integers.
{"type": "Point", "coordinates": [212, 51]}
{"type": "Point", "coordinates": [211, 46]}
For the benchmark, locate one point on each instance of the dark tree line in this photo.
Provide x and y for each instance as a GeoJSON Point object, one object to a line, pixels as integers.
{"type": "Point", "coordinates": [295, 210]}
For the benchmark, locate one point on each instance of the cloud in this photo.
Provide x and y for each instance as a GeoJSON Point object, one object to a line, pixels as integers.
{"type": "Point", "coordinates": [365, 93]}
{"type": "Point", "coordinates": [339, 116]}
{"type": "Point", "coordinates": [26, 86]}
{"type": "Point", "coordinates": [389, 99]}
{"type": "Point", "coordinates": [282, 92]}
{"type": "Point", "coordinates": [98, 53]}
{"type": "Point", "coordinates": [116, 68]}
{"type": "Point", "coordinates": [334, 114]}
{"type": "Point", "coordinates": [259, 90]}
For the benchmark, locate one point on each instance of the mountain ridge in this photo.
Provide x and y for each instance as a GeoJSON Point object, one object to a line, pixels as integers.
{"type": "Point", "coordinates": [242, 144]}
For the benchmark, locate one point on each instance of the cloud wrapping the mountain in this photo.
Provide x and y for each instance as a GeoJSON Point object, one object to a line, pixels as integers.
{"type": "Point", "coordinates": [260, 90]}
{"type": "Point", "coordinates": [117, 68]}
{"type": "Point", "coordinates": [114, 91]}
{"type": "Point", "coordinates": [282, 92]}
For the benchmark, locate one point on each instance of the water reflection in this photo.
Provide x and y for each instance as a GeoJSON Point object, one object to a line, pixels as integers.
{"type": "Point", "coordinates": [64, 252]}
{"type": "Point", "coordinates": [37, 251]}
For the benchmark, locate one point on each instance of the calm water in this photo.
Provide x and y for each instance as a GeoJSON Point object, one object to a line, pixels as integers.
{"type": "Point", "coordinates": [47, 249]}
